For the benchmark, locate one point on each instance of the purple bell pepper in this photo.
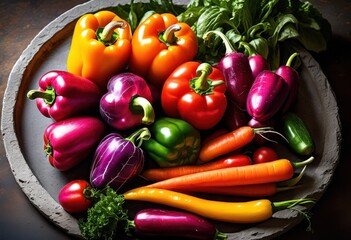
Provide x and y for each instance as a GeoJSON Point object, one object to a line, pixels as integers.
{"type": "Point", "coordinates": [70, 141]}
{"type": "Point", "coordinates": [118, 160]}
{"type": "Point", "coordinates": [292, 78]}
{"type": "Point", "coordinates": [62, 95]}
{"type": "Point", "coordinates": [267, 95]}
{"type": "Point", "coordinates": [236, 71]}
{"type": "Point", "coordinates": [128, 102]}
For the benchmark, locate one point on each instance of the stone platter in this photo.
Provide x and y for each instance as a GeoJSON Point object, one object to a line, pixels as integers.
{"type": "Point", "coordinates": [23, 126]}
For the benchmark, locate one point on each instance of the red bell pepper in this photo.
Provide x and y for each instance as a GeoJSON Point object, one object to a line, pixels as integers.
{"type": "Point", "coordinates": [70, 141]}
{"type": "Point", "coordinates": [62, 95]}
{"type": "Point", "coordinates": [199, 100]}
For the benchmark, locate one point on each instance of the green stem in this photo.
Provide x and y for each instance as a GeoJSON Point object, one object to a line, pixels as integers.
{"type": "Point", "coordinates": [107, 35]}
{"type": "Point", "coordinates": [303, 163]}
{"type": "Point", "coordinates": [48, 150]}
{"type": "Point", "coordinates": [149, 114]}
{"type": "Point", "coordinates": [220, 236]}
{"type": "Point", "coordinates": [292, 182]}
{"type": "Point", "coordinates": [48, 95]}
{"type": "Point", "coordinates": [201, 82]}
{"type": "Point", "coordinates": [291, 58]}
{"type": "Point", "coordinates": [277, 206]}
{"type": "Point", "coordinates": [228, 46]}
{"type": "Point", "coordinates": [168, 36]}
{"type": "Point", "coordinates": [139, 136]}
{"type": "Point", "coordinates": [248, 48]}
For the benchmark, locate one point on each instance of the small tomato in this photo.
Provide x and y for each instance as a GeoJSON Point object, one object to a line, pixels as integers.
{"type": "Point", "coordinates": [264, 154]}
{"type": "Point", "coordinates": [72, 197]}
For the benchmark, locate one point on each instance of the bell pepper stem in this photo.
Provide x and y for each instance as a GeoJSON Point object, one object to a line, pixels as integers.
{"type": "Point", "coordinates": [138, 103]}
{"type": "Point", "coordinates": [202, 84]}
{"type": "Point", "coordinates": [48, 95]}
{"type": "Point", "coordinates": [168, 35]}
{"type": "Point", "coordinates": [203, 70]}
{"type": "Point", "coordinates": [228, 46]}
{"type": "Point", "coordinates": [139, 136]}
{"type": "Point", "coordinates": [48, 149]}
{"type": "Point", "coordinates": [107, 35]}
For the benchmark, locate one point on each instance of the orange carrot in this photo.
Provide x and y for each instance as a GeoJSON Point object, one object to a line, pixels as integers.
{"type": "Point", "coordinates": [158, 174]}
{"type": "Point", "coordinates": [227, 143]}
{"type": "Point", "coordinates": [275, 171]}
{"type": "Point", "coordinates": [216, 133]}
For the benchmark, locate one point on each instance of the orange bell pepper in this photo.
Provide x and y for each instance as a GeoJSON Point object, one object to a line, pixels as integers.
{"type": "Point", "coordinates": [159, 45]}
{"type": "Point", "coordinates": [100, 47]}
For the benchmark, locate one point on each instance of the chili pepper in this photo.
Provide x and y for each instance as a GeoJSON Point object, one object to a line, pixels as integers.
{"type": "Point", "coordinates": [159, 45]}
{"type": "Point", "coordinates": [100, 48]}
{"type": "Point", "coordinates": [128, 102]}
{"type": "Point", "coordinates": [62, 95]}
{"type": "Point", "coordinates": [297, 134]}
{"type": "Point", "coordinates": [195, 93]}
{"type": "Point", "coordinates": [234, 212]}
{"type": "Point", "coordinates": [118, 160]}
{"type": "Point", "coordinates": [173, 142]}
{"type": "Point", "coordinates": [257, 62]}
{"type": "Point", "coordinates": [292, 79]}
{"type": "Point", "coordinates": [236, 70]}
{"type": "Point", "coordinates": [72, 140]}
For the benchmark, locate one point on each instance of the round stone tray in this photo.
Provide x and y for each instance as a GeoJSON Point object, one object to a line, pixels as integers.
{"type": "Point", "coordinates": [23, 127]}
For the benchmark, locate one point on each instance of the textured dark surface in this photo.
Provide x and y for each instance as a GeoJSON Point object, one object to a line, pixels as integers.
{"type": "Point", "coordinates": [21, 21]}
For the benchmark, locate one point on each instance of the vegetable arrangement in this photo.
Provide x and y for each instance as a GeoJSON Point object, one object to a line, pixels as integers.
{"type": "Point", "coordinates": [167, 101]}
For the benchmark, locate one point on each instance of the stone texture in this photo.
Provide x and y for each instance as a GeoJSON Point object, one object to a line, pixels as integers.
{"type": "Point", "coordinates": [316, 105]}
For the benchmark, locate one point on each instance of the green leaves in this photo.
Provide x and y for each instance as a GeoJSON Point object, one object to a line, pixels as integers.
{"type": "Point", "coordinates": [265, 25]}
{"type": "Point", "coordinates": [105, 217]}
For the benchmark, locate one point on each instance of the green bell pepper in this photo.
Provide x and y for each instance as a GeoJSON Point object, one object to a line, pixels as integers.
{"type": "Point", "coordinates": [173, 142]}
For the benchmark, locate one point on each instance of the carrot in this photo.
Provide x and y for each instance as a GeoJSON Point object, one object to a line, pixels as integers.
{"type": "Point", "coordinates": [234, 212]}
{"type": "Point", "coordinates": [158, 174]}
{"type": "Point", "coordinates": [216, 133]}
{"type": "Point", "coordinates": [253, 190]}
{"type": "Point", "coordinates": [274, 171]}
{"type": "Point", "coordinates": [228, 142]}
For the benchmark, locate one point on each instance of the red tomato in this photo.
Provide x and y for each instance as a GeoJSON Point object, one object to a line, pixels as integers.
{"type": "Point", "coordinates": [72, 199]}
{"type": "Point", "coordinates": [264, 154]}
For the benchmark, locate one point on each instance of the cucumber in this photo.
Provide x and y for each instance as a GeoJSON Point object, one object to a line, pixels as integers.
{"type": "Point", "coordinates": [297, 134]}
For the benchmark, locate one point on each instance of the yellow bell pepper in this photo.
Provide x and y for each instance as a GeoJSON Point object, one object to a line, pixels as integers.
{"type": "Point", "coordinates": [100, 47]}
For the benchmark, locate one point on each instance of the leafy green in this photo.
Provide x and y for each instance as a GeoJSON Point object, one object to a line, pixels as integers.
{"type": "Point", "coordinates": [105, 217]}
{"type": "Point", "coordinates": [265, 25]}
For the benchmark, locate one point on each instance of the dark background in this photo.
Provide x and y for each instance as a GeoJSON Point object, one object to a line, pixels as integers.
{"type": "Point", "coordinates": [21, 21]}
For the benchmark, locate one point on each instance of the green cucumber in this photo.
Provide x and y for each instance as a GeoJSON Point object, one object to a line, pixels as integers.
{"type": "Point", "coordinates": [297, 134]}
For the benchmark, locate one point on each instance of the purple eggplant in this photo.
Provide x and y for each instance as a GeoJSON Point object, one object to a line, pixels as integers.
{"type": "Point", "coordinates": [159, 222]}
{"type": "Point", "coordinates": [128, 102]}
{"type": "Point", "coordinates": [267, 95]}
{"type": "Point", "coordinates": [236, 71]}
{"type": "Point", "coordinates": [118, 160]}
{"type": "Point", "coordinates": [292, 78]}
